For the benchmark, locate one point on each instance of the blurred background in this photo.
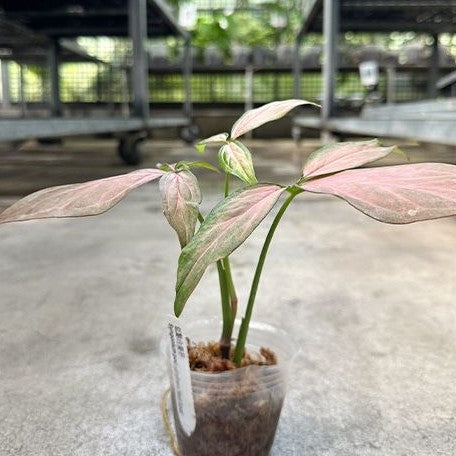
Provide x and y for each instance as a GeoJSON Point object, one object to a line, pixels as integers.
{"type": "Point", "coordinates": [123, 72]}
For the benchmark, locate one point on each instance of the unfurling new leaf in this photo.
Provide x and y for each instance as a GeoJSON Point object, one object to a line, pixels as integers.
{"type": "Point", "coordinates": [226, 227]}
{"type": "Point", "coordinates": [181, 196]}
{"type": "Point", "coordinates": [236, 159]}
{"type": "Point", "coordinates": [77, 200]}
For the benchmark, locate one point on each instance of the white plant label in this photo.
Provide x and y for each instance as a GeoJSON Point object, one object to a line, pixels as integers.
{"type": "Point", "coordinates": [180, 377]}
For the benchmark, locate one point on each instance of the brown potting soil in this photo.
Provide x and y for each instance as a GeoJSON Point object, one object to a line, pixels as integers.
{"type": "Point", "coordinates": [234, 417]}
{"type": "Point", "coordinates": [207, 357]}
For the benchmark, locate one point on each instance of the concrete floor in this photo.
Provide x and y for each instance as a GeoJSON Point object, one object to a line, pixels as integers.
{"type": "Point", "coordinates": [83, 304]}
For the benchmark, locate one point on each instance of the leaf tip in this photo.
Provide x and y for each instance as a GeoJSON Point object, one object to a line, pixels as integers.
{"type": "Point", "coordinates": [200, 147]}
{"type": "Point", "coordinates": [179, 303]}
{"type": "Point", "coordinates": [401, 152]}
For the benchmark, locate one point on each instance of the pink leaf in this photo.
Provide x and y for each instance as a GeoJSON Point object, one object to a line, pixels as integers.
{"type": "Point", "coordinates": [226, 227]}
{"type": "Point", "coordinates": [395, 194]}
{"type": "Point", "coordinates": [266, 113]}
{"type": "Point", "coordinates": [76, 200]}
{"type": "Point", "coordinates": [340, 156]}
{"type": "Point", "coordinates": [216, 139]}
{"type": "Point", "coordinates": [181, 196]}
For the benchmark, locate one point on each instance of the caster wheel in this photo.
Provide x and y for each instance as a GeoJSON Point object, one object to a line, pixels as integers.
{"type": "Point", "coordinates": [130, 150]}
{"type": "Point", "coordinates": [189, 134]}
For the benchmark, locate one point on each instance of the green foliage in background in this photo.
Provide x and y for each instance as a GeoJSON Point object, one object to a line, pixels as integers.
{"type": "Point", "coordinates": [247, 24]}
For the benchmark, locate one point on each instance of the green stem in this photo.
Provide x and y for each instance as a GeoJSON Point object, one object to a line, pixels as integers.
{"type": "Point", "coordinates": [225, 340]}
{"type": "Point", "coordinates": [227, 330]}
{"type": "Point", "coordinates": [231, 289]}
{"type": "Point", "coordinates": [200, 217]}
{"type": "Point", "coordinates": [227, 184]}
{"type": "Point", "coordinates": [227, 268]}
{"type": "Point", "coordinates": [243, 330]}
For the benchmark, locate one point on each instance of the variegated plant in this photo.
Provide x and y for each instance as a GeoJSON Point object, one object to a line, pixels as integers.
{"type": "Point", "coordinates": [392, 194]}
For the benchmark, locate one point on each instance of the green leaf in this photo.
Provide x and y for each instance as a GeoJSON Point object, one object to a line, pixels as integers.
{"type": "Point", "coordinates": [226, 227]}
{"type": "Point", "coordinates": [181, 196]}
{"type": "Point", "coordinates": [166, 167]}
{"type": "Point", "coordinates": [200, 147]}
{"type": "Point", "coordinates": [236, 159]}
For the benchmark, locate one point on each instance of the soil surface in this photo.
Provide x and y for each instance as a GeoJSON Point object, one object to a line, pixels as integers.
{"type": "Point", "coordinates": [207, 357]}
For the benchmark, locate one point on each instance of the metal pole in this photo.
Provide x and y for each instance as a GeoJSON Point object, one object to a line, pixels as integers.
{"type": "Point", "coordinates": [137, 17]}
{"type": "Point", "coordinates": [98, 84]}
{"type": "Point", "coordinates": [249, 89]}
{"type": "Point", "coordinates": [187, 70]}
{"type": "Point", "coordinates": [331, 11]}
{"type": "Point", "coordinates": [53, 62]}
{"type": "Point", "coordinates": [390, 84]}
{"type": "Point", "coordinates": [111, 105]}
{"type": "Point", "coordinates": [125, 107]}
{"type": "Point", "coordinates": [297, 68]}
{"type": "Point", "coordinates": [6, 99]}
{"type": "Point", "coordinates": [434, 67]}
{"type": "Point", "coordinates": [22, 89]}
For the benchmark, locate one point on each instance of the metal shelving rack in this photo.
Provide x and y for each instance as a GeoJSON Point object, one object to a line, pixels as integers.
{"type": "Point", "coordinates": [47, 25]}
{"type": "Point", "coordinates": [429, 121]}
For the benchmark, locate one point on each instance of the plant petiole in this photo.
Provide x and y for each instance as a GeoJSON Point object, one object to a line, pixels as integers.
{"type": "Point", "coordinates": [243, 330]}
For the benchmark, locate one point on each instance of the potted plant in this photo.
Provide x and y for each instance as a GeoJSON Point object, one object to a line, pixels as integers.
{"type": "Point", "coordinates": [237, 393]}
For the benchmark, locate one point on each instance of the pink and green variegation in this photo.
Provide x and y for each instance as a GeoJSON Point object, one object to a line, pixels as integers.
{"type": "Point", "coordinates": [391, 194]}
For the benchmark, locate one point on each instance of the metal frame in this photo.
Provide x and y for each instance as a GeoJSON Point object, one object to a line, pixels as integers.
{"type": "Point", "coordinates": [18, 130]}
{"type": "Point", "coordinates": [50, 23]}
{"type": "Point", "coordinates": [56, 109]}
{"type": "Point", "coordinates": [137, 22]}
{"type": "Point", "coordinates": [332, 16]}
{"type": "Point", "coordinates": [331, 21]}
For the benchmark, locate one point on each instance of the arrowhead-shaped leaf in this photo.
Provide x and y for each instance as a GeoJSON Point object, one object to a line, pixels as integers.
{"type": "Point", "coordinates": [226, 227]}
{"type": "Point", "coordinates": [216, 139]}
{"type": "Point", "coordinates": [236, 159]}
{"type": "Point", "coordinates": [346, 155]}
{"type": "Point", "coordinates": [266, 113]}
{"type": "Point", "coordinates": [76, 200]}
{"type": "Point", "coordinates": [181, 196]}
{"type": "Point", "coordinates": [395, 194]}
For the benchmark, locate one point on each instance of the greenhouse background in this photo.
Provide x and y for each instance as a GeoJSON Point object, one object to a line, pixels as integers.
{"type": "Point", "coordinates": [219, 69]}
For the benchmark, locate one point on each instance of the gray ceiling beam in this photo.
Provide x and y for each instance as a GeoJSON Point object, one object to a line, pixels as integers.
{"type": "Point", "coordinates": [40, 14]}
{"type": "Point", "coordinates": [310, 12]}
{"type": "Point", "coordinates": [383, 4]}
{"type": "Point", "coordinates": [168, 18]}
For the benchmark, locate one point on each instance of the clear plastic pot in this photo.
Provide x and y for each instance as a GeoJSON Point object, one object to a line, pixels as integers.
{"type": "Point", "coordinates": [237, 411]}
